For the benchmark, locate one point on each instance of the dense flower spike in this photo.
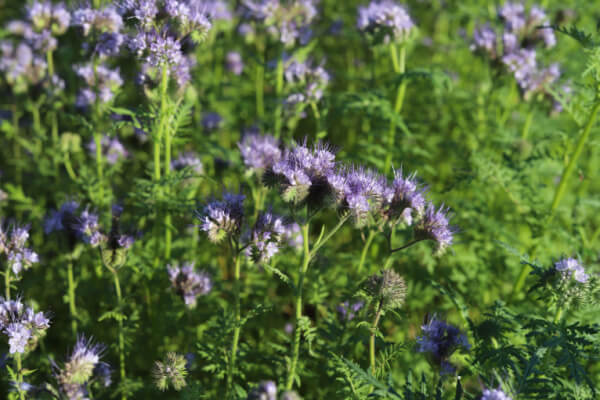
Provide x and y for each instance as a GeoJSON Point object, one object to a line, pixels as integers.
{"type": "Point", "coordinates": [187, 160]}
{"type": "Point", "coordinates": [223, 218]}
{"type": "Point", "coordinates": [287, 22]}
{"type": "Point", "coordinates": [494, 394]}
{"type": "Point", "coordinates": [102, 83]}
{"type": "Point", "coordinates": [440, 340]}
{"type": "Point", "coordinates": [571, 267]}
{"type": "Point", "coordinates": [310, 80]}
{"type": "Point", "coordinates": [259, 152]}
{"type": "Point", "coordinates": [12, 243]}
{"type": "Point", "coordinates": [435, 226]}
{"type": "Point", "coordinates": [188, 283]}
{"type": "Point", "coordinates": [22, 325]}
{"type": "Point", "coordinates": [265, 237]}
{"type": "Point", "coordinates": [387, 288]}
{"type": "Point", "coordinates": [112, 149]}
{"type": "Point", "coordinates": [170, 372]}
{"type": "Point", "coordinates": [266, 390]}
{"type": "Point", "coordinates": [82, 365]}
{"type": "Point", "coordinates": [386, 18]}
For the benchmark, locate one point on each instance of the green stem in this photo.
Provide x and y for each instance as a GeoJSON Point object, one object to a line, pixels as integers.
{"type": "Point", "coordinates": [363, 255]}
{"type": "Point", "coordinates": [99, 163]}
{"type": "Point", "coordinates": [121, 333]}
{"type": "Point", "coordinates": [71, 296]}
{"type": "Point", "coordinates": [278, 93]}
{"type": "Point", "coordinates": [321, 242]}
{"type": "Point", "coordinates": [372, 338]}
{"type": "Point", "coordinates": [407, 245]}
{"type": "Point", "coordinates": [527, 125]}
{"type": "Point", "coordinates": [558, 315]}
{"type": "Point", "coordinates": [302, 271]}
{"type": "Point", "coordinates": [69, 167]}
{"type": "Point", "coordinates": [17, 146]}
{"type": "Point", "coordinates": [168, 232]}
{"type": "Point", "coordinates": [50, 62]}
{"type": "Point", "coordinates": [19, 376]}
{"type": "Point", "coordinates": [7, 282]}
{"type": "Point", "coordinates": [560, 191]}
{"type": "Point", "coordinates": [236, 329]}
{"type": "Point", "coordinates": [399, 69]}
{"type": "Point", "coordinates": [259, 81]}
{"type": "Point", "coordinates": [161, 121]}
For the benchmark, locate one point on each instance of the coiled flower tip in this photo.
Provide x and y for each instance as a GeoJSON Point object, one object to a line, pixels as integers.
{"type": "Point", "coordinates": [494, 394]}
{"type": "Point", "coordinates": [188, 283]}
{"type": "Point", "coordinates": [571, 267]}
{"type": "Point", "coordinates": [435, 226]}
{"type": "Point", "coordinates": [223, 218]}
{"type": "Point", "coordinates": [266, 390]}
{"type": "Point", "coordinates": [387, 288]}
{"type": "Point", "coordinates": [170, 372]}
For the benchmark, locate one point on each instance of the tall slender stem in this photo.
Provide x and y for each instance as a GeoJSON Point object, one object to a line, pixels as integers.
{"type": "Point", "coordinates": [17, 146]}
{"type": "Point", "coordinates": [527, 125]}
{"type": "Point", "coordinates": [121, 333]}
{"type": "Point", "coordinates": [297, 333]}
{"type": "Point", "coordinates": [399, 69]}
{"type": "Point", "coordinates": [99, 166]}
{"type": "Point", "coordinates": [19, 376]}
{"type": "Point", "coordinates": [372, 338]}
{"type": "Point", "coordinates": [71, 296]}
{"type": "Point", "coordinates": [259, 80]}
{"type": "Point", "coordinates": [168, 232]}
{"type": "Point", "coordinates": [558, 315]}
{"type": "Point", "coordinates": [278, 93]}
{"type": "Point", "coordinates": [363, 255]}
{"type": "Point", "coordinates": [236, 329]}
{"type": "Point", "coordinates": [161, 121]}
{"type": "Point", "coordinates": [7, 281]}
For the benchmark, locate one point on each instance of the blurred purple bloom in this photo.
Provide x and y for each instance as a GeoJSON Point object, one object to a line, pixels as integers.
{"type": "Point", "coordinates": [440, 339]}
{"type": "Point", "coordinates": [570, 266]}
{"type": "Point", "coordinates": [309, 79]}
{"type": "Point", "coordinates": [347, 311]}
{"type": "Point", "coordinates": [187, 160]}
{"type": "Point", "coordinates": [259, 151]}
{"type": "Point", "coordinates": [21, 324]}
{"type": "Point", "coordinates": [435, 226]}
{"type": "Point", "coordinates": [112, 149]}
{"type": "Point", "coordinates": [234, 63]}
{"type": "Point", "coordinates": [385, 15]}
{"type": "Point", "coordinates": [211, 120]}
{"type": "Point", "coordinates": [494, 394]}
{"type": "Point", "coordinates": [102, 83]}
{"type": "Point", "coordinates": [188, 283]}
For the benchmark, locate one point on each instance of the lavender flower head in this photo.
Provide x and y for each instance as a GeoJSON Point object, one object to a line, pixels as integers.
{"type": "Point", "coordinates": [385, 18]}
{"type": "Point", "coordinates": [485, 40]}
{"type": "Point", "coordinates": [435, 226]}
{"type": "Point", "coordinates": [234, 63]}
{"type": "Point", "coordinates": [48, 16]}
{"type": "Point", "coordinates": [104, 20]}
{"type": "Point", "coordinates": [494, 394]}
{"type": "Point", "coordinates": [88, 228]}
{"type": "Point", "coordinates": [571, 267]}
{"type": "Point", "coordinates": [211, 120]}
{"type": "Point", "coordinates": [259, 152]}
{"type": "Point", "coordinates": [20, 66]}
{"type": "Point", "coordinates": [22, 325]}
{"type": "Point", "coordinates": [440, 340]}
{"type": "Point", "coordinates": [111, 148]}
{"type": "Point", "coordinates": [265, 237]}
{"type": "Point", "coordinates": [62, 218]}
{"type": "Point", "coordinates": [187, 160]}
{"type": "Point", "coordinates": [309, 79]}
{"type": "Point", "coordinates": [406, 200]}
{"type": "Point", "coordinates": [223, 218]}
{"type": "Point", "coordinates": [293, 236]}
{"type": "Point", "coordinates": [266, 390]}
{"type": "Point", "coordinates": [102, 83]}
{"type": "Point", "coordinates": [188, 283]}
{"type": "Point", "coordinates": [13, 244]}
{"type": "Point", "coordinates": [216, 10]}
{"type": "Point", "coordinates": [347, 311]}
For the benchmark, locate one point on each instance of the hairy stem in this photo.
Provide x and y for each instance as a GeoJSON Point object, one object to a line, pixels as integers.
{"type": "Point", "coordinates": [71, 296]}
{"type": "Point", "coordinates": [558, 315]}
{"type": "Point", "coordinates": [236, 329]}
{"type": "Point", "coordinates": [365, 250]}
{"type": "Point", "coordinates": [301, 273]}
{"type": "Point", "coordinates": [168, 232]}
{"type": "Point", "coordinates": [399, 68]}
{"type": "Point", "coordinates": [372, 338]}
{"type": "Point", "coordinates": [99, 166]}
{"type": "Point", "coordinates": [121, 333]}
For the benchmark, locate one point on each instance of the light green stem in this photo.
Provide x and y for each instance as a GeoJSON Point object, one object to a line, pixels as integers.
{"type": "Point", "coordinates": [527, 125]}
{"type": "Point", "coordinates": [121, 333]}
{"type": "Point", "coordinates": [164, 82]}
{"type": "Point", "coordinates": [236, 329]}
{"type": "Point", "coordinates": [19, 376]}
{"type": "Point", "coordinates": [302, 271]}
{"type": "Point", "coordinates": [71, 295]}
{"type": "Point", "coordinates": [17, 146]}
{"type": "Point", "coordinates": [278, 100]}
{"type": "Point", "coordinates": [558, 315]}
{"type": "Point", "coordinates": [259, 81]}
{"type": "Point", "coordinates": [99, 163]}
{"type": "Point", "coordinates": [7, 282]}
{"type": "Point", "coordinates": [365, 250]}
{"type": "Point", "coordinates": [168, 232]}
{"type": "Point", "coordinates": [372, 338]}
{"type": "Point", "coordinates": [399, 69]}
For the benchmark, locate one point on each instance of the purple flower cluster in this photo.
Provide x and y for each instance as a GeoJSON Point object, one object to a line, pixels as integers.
{"type": "Point", "coordinates": [100, 21]}
{"type": "Point", "coordinates": [88, 228]}
{"type": "Point", "coordinates": [435, 226]}
{"type": "Point", "coordinates": [187, 160]}
{"type": "Point", "coordinates": [188, 283]}
{"type": "Point", "coordinates": [48, 16]}
{"type": "Point", "coordinates": [265, 238]}
{"type": "Point", "coordinates": [347, 311]}
{"type": "Point", "coordinates": [12, 243]}
{"type": "Point", "coordinates": [494, 394]}
{"type": "Point", "coordinates": [83, 364]}
{"type": "Point", "coordinates": [440, 340]}
{"type": "Point", "coordinates": [21, 324]}
{"type": "Point", "coordinates": [102, 83]}
{"type": "Point", "coordinates": [234, 63]}
{"type": "Point", "coordinates": [306, 80]}
{"type": "Point", "coordinates": [61, 219]}
{"type": "Point", "coordinates": [112, 149]}
{"type": "Point", "coordinates": [286, 22]}
{"type": "Point", "coordinates": [385, 18]}
{"type": "Point", "coordinates": [571, 267]}
{"type": "Point", "coordinates": [516, 49]}
{"type": "Point", "coordinates": [211, 120]}
{"type": "Point", "coordinates": [258, 151]}
{"type": "Point", "coordinates": [223, 218]}
{"type": "Point", "coordinates": [20, 66]}
{"type": "Point", "coordinates": [216, 10]}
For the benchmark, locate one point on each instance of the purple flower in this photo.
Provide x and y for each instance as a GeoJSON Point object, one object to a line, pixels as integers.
{"type": "Point", "coordinates": [293, 236]}
{"type": "Point", "coordinates": [211, 120]}
{"type": "Point", "coordinates": [20, 66]}
{"type": "Point", "coordinates": [188, 283]}
{"type": "Point", "coordinates": [494, 394]}
{"type": "Point", "coordinates": [13, 244]}
{"type": "Point", "coordinates": [513, 15]}
{"type": "Point", "coordinates": [405, 200]}
{"type": "Point", "coordinates": [21, 324]}
{"type": "Point", "coordinates": [259, 151]}
{"type": "Point", "coordinates": [440, 340]}
{"type": "Point", "coordinates": [216, 10]}
{"type": "Point", "coordinates": [266, 390]}
{"type": "Point", "coordinates": [234, 63]}
{"type": "Point", "coordinates": [156, 49]}
{"type": "Point", "coordinates": [58, 220]}
{"type": "Point", "coordinates": [49, 16]}
{"type": "Point", "coordinates": [265, 237]}
{"type": "Point", "coordinates": [309, 79]}
{"type": "Point", "coordinates": [484, 39]}
{"type": "Point", "coordinates": [435, 226]}
{"type": "Point", "coordinates": [386, 16]}
{"type": "Point", "coordinates": [104, 20]}
{"type": "Point", "coordinates": [102, 83]}
{"type": "Point", "coordinates": [111, 148]}
{"type": "Point", "coordinates": [187, 160]}
{"type": "Point", "coordinates": [570, 266]}
{"type": "Point", "coordinates": [88, 229]}
{"type": "Point", "coordinates": [347, 311]}
{"type": "Point", "coordinates": [222, 218]}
